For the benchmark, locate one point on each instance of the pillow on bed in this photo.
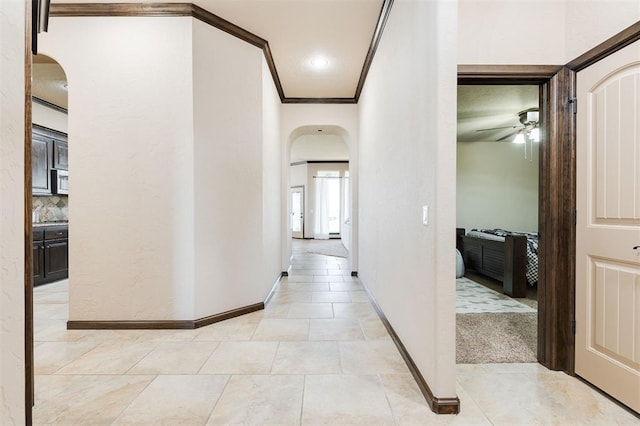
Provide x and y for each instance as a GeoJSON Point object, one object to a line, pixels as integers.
{"type": "Point", "coordinates": [459, 265]}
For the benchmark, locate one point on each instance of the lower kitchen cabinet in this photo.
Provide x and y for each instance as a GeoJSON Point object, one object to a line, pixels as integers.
{"type": "Point", "coordinates": [38, 256]}
{"type": "Point", "coordinates": [50, 254]}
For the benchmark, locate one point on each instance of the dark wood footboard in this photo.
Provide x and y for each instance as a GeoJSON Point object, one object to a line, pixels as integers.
{"type": "Point", "coordinates": [504, 261]}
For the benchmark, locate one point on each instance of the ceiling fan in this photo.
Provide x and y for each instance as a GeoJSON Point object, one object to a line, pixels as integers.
{"type": "Point", "coordinates": [528, 130]}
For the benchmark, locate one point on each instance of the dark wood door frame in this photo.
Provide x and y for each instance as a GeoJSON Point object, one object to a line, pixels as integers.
{"type": "Point", "coordinates": [556, 205]}
{"type": "Point", "coordinates": [29, 377]}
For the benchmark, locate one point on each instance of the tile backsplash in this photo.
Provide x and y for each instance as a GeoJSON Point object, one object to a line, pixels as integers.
{"type": "Point", "coordinates": [51, 208]}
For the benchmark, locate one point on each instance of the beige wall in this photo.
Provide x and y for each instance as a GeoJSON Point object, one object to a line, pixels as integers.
{"type": "Point", "coordinates": [319, 147]}
{"type": "Point", "coordinates": [131, 170]}
{"type": "Point", "coordinates": [497, 187]}
{"type": "Point", "coordinates": [49, 117]}
{"type": "Point", "coordinates": [12, 126]}
{"type": "Point", "coordinates": [228, 170]}
{"type": "Point", "coordinates": [538, 32]}
{"type": "Point", "coordinates": [590, 22]}
{"type": "Point", "coordinates": [179, 159]}
{"type": "Point", "coordinates": [272, 195]}
{"type": "Point", "coordinates": [407, 160]}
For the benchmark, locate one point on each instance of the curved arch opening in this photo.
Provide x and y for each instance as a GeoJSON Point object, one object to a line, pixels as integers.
{"type": "Point", "coordinates": [320, 190]}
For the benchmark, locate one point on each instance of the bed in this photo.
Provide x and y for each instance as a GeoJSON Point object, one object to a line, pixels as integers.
{"type": "Point", "coordinates": [507, 256]}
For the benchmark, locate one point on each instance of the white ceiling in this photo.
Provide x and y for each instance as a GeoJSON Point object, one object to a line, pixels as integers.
{"type": "Point", "coordinates": [299, 30]}
{"type": "Point", "coordinates": [49, 81]}
{"type": "Point", "coordinates": [488, 107]}
{"type": "Point", "coordinates": [341, 31]}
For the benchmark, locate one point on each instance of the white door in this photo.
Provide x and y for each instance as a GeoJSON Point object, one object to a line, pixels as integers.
{"type": "Point", "coordinates": [608, 226]}
{"type": "Point", "coordinates": [297, 212]}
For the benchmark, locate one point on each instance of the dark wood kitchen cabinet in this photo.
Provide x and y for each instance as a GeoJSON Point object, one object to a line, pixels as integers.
{"type": "Point", "coordinates": [49, 151]}
{"type": "Point", "coordinates": [50, 254]}
{"type": "Point", "coordinates": [38, 256]}
{"type": "Point", "coordinates": [40, 165]}
{"type": "Point", "coordinates": [60, 155]}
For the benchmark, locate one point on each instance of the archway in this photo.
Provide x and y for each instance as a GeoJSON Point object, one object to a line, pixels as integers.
{"type": "Point", "coordinates": [314, 153]}
{"type": "Point", "coordinates": [47, 202]}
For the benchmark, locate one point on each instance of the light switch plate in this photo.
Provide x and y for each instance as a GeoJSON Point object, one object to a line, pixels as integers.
{"type": "Point", "coordinates": [425, 215]}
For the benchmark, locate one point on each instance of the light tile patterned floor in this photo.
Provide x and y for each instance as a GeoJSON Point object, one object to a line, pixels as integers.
{"type": "Point", "coordinates": [474, 298]}
{"type": "Point", "coordinates": [317, 355]}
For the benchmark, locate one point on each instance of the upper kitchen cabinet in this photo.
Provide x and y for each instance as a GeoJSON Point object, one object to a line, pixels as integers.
{"type": "Point", "coordinates": [60, 155]}
{"type": "Point", "coordinates": [49, 151]}
{"type": "Point", "coordinates": [40, 160]}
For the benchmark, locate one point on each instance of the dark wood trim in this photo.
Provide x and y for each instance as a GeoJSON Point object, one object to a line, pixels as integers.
{"type": "Point", "coordinates": [49, 104]}
{"type": "Point", "coordinates": [375, 41]}
{"type": "Point", "coordinates": [505, 74]}
{"type": "Point", "coordinates": [164, 325]}
{"type": "Point", "coordinates": [129, 325]}
{"type": "Point", "coordinates": [285, 273]}
{"type": "Point", "coordinates": [189, 9]}
{"type": "Point", "coordinates": [266, 50]}
{"type": "Point", "coordinates": [557, 231]}
{"type": "Point", "coordinates": [297, 163]}
{"type": "Point", "coordinates": [437, 405]}
{"type": "Point", "coordinates": [120, 9]}
{"type": "Point", "coordinates": [354, 273]}
{"type": "Point", "coordinates": [226, 26]}
{"type": "Point", "coordinates": [228, 315]}
{"type": "Point", "coordinates": [624, 38]}
{"type": "Point", "coordinates": [29, 385]}
{"type": "Point", "coordinates": [49, 132]}
{"type": "Point", "coordinates": [556, 249]}
{"type": "Point", "coordinates": [319, 101]}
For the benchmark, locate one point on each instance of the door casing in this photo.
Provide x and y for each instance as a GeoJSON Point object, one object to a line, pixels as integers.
{"type": "Point", "coordinates": [556, 202]}
{"type": "Point", "coordinates": [301, 188]}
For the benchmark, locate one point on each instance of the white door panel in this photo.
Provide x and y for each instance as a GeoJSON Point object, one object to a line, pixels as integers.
{"type": "Point", "coordinates": [608, 226]}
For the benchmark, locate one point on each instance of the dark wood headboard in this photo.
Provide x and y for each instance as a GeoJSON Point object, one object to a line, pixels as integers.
{"type": "Point", "coordinates": [504, 261]}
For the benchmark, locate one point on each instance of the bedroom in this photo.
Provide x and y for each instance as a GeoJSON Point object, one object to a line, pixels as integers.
{"type": "Point", "coordinates": [497, 191]}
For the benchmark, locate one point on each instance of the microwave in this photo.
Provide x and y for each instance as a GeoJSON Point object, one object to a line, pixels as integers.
{"type": "Point", "coordinates": [59, 182]}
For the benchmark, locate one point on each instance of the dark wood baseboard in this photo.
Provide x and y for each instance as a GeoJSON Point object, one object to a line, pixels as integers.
{"type": "Point", "coordinates": [164, 325]}
{"type": "Point", "coordinates": [285, 273]}
{"type": "Point", "coordinates": [437, 405]}
{"type": "Point", "coordinates": [202, 322]}
{"type": "Point", "coordinates": [129, 325]}
{"type": "Point", "coordinates": [354, 273]}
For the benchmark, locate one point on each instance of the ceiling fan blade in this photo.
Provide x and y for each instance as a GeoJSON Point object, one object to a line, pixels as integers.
{"type": "Point", "coordinates": [510, 135]}
{"type": "Point", "coordinates": [497, 128]}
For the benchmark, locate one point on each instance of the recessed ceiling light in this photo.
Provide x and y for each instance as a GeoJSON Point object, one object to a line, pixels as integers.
{"type": "Point", "coordinates": [319, 62]}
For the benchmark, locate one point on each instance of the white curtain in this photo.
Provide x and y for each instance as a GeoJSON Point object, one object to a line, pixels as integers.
{"type": "Point", "coordinates": [322, 209]}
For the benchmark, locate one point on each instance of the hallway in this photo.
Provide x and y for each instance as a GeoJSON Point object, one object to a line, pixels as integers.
{"type": "Point", "coordinates": [317, 354]}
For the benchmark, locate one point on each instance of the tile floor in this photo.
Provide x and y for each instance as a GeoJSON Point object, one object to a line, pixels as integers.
{"type": "Point", "coordinates": [317, 355]}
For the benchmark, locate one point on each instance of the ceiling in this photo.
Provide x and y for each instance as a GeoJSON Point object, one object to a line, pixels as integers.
{"type": "Point", "coordinates": [319, 47]}
{"type": "Point", "coordinates": [488, 107]}
{"type": "Point", "coordinates": [341, 32]}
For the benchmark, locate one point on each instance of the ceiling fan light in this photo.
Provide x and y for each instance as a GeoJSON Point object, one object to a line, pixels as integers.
{"type": "Point", "coordinates": [532, 116]}
{"type": "Point", "coordinates": [535, 135]}
{"type": "Point", "coordinates": [519, 139]}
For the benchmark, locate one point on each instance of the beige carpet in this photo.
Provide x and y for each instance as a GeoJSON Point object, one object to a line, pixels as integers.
{"type": "Point", "coordinates": [488, 338]}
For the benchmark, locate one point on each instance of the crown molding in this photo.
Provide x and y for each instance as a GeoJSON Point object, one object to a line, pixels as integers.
{"type": "Point", "coordinates": [375, 40]}
{"type": "Point", "coordinates": [48, 104]}
{"type": "Point", "coordinates": [189, 9]}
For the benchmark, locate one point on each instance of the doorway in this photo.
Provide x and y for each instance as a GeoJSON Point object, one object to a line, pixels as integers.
{"type": "Point", "coordinates": [498, 141]}
{"type": "Point", "coordinates": [297, 212]}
